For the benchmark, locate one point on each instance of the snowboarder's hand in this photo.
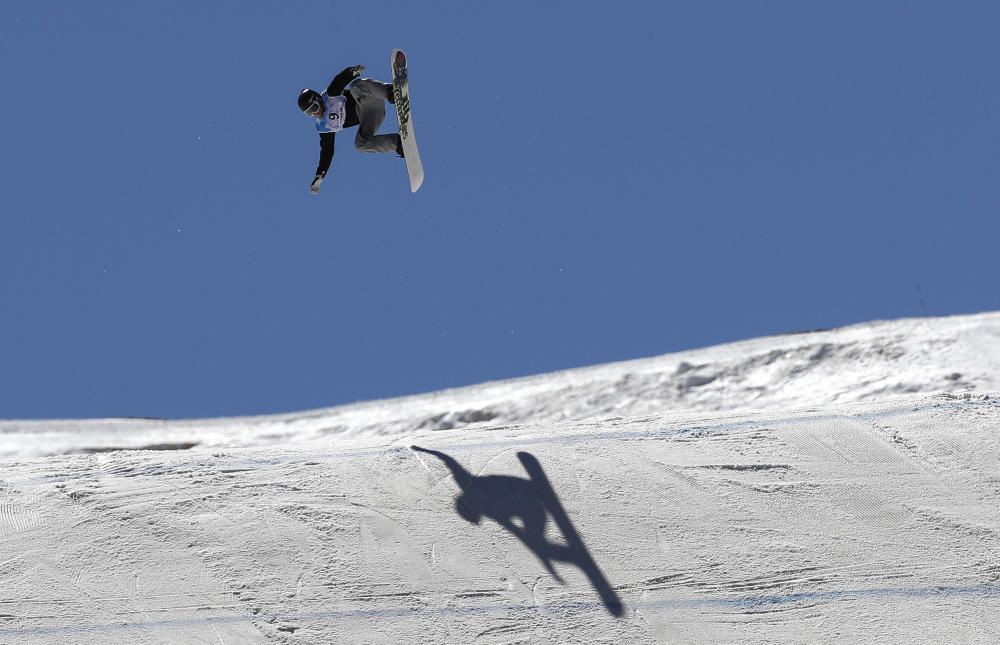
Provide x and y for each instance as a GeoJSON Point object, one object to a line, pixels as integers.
{"type": "Point", "coordinates": [357, 69]}
{"type": "Point", "coordinates": [314, 187]}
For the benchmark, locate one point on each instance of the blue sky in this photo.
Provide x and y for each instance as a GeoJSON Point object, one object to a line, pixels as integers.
{"type": "Point", "coordinates": [605, 181]}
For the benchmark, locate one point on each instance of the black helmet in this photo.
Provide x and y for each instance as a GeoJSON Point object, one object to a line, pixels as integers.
{"type": "Point", "coordinates": [309, 100]}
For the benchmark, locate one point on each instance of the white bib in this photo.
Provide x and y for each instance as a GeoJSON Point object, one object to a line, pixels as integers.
{"type": "Point", "coordinates": [334, 115]}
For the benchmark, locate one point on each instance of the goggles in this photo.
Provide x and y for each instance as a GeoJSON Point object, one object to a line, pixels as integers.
{"type": "Point", "coordinates": [315, 105]}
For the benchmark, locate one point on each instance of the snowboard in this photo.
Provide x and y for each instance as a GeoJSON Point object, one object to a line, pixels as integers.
{"type": "Point", "coordinates": [401, 96]}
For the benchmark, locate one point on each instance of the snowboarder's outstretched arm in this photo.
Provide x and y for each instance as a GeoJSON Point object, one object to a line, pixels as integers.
{"type": "Point", "coordinates": [341, 80]}
{"type": "Point", "coordinates": [326, 143]}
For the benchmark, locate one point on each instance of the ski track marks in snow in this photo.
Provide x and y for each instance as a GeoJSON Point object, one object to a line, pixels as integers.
{"type": "Point", "coordinates": [872, 524]}
{"type": "Point", "coordinates": [18, 512]}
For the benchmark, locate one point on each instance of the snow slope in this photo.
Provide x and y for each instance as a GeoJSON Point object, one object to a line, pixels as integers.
{"type": "Point", "coordinates": [866, 362]}
{"type": "Point", "coordinates": [838, 486]}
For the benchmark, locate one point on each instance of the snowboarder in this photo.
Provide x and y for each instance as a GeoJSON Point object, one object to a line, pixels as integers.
{"type": "Point", "coordinates": [362, 104]}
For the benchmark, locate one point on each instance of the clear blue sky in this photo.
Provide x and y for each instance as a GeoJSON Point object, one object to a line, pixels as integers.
{"type": "Point", "coordinates": [605, 181]}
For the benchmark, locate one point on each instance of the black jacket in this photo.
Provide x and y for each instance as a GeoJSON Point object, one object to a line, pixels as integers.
{"type": "Point", "coordinates": [337, 87]}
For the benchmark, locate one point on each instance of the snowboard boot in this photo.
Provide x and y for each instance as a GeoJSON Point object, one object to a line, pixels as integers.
{"type": "Point", "coordinates": [399, 147]}
{"type": "Point", "coordinates": [391, 97]}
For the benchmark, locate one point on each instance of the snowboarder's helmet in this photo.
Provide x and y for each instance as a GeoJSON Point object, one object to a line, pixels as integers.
{"type": "Point", "coordinates": [309, 100]}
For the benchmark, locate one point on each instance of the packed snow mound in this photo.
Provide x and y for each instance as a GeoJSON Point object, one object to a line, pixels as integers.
{"type": "Point", "coordinates": [868, 362]}
{"type": "Point", "coordinates": [865, 523]}
{"type": "Point", "coordinates": [836, 486]}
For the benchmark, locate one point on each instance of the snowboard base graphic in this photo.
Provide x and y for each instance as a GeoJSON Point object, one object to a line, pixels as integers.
{"type": "Point", "coordinates": [401, 95]}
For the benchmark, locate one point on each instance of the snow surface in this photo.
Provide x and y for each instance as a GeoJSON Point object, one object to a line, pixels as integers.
{"type": "Point", "coordinates": [835, 486]}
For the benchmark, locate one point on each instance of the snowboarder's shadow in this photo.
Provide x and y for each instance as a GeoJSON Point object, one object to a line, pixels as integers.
{"type": "Point", "coordinates": [522, 507]}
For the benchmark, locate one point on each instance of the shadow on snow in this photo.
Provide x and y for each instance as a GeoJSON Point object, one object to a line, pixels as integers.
{"type": "Point", "coordinates": [522, 507]}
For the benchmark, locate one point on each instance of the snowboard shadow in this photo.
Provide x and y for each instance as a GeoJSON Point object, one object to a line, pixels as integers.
{"type": "Point", "coordinates": [522, 507]}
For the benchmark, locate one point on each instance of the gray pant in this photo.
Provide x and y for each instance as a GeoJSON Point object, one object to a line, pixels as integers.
{"type": "Point", "coordinates": [371, 96]}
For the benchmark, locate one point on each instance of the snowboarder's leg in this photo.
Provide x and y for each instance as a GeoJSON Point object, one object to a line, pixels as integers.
{"type": "Point", "coordinates": [371, 97]}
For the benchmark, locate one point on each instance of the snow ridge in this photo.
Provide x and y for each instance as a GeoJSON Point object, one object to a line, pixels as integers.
{"type": "Point", "coordinates": [838, 486]}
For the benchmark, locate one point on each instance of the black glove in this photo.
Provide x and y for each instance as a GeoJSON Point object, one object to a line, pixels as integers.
{"type": "Point", "coordinates": [356, 70]}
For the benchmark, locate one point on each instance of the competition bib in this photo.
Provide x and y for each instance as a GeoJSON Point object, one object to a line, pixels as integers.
{"type": "Point", "coordinates": [333, 118]}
